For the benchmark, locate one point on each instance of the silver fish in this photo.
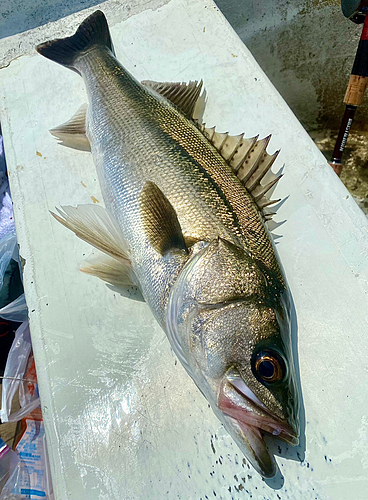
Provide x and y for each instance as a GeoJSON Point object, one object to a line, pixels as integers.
{"type": "Point", "coordinates": [185, 224]}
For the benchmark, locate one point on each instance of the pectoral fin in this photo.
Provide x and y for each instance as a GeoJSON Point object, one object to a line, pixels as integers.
{"type": "Point", "coordinates": [160, 221]}
{"type": "Point", "coordinates": [73, 132]}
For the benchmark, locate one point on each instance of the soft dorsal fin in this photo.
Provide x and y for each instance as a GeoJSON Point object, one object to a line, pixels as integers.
{"type": "Point", "coordinates": [184, 95]}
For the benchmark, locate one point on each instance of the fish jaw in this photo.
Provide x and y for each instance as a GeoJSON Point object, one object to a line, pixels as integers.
{"type": "Point", "coordinates": [247, 419]}
{"type": "Point", "coordinates": [250, 441]}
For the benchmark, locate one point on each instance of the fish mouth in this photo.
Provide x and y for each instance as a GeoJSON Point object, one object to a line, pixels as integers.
{"type": "Point", "coordinates": [251, 421]}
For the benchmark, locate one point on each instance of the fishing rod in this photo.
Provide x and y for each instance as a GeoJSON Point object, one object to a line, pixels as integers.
{"type": "Point", "coordinates": [356, 11]}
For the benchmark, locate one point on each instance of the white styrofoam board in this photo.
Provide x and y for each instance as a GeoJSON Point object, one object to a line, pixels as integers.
{"type": "Point", "coordinates": [123, 419]}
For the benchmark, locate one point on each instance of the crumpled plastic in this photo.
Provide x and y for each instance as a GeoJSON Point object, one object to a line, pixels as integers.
{"type": "Point", "coordinates": [6, 206]}
{"type": "Point", "coordinates": [9, 461]}
{"type": "Point", "coordinates": [16, 310]}
{"type": "Point", "coordinates": [30, 478]}
{"type": "Point", "coordinates": [16, 367]}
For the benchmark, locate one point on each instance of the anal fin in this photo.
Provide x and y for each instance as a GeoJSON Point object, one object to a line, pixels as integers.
{"type": "Point", "coordinates": [117, 273]}
{"type": "Point", "coordinates": [93, 224]}
{"type": "Point", "coordinates": [73, 132]}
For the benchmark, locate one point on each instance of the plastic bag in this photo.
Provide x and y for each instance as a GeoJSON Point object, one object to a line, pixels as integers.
{"type": "Point", "coordinates": [17, 309]}
{"type": "Point", "coordinates": [31, 478]}
{"type": "Point", "coordinates": [9, 460]}
{"type": "Point", "coordinates": [6, 206]}
{"type": "Point", "coordinates": [8, 251]}
{"type": "Point", "coordinates": [19, 366]}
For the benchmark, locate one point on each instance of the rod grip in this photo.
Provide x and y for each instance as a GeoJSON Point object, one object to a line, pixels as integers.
{"type": "Point", "coordinates": [337, 167]}
{"type": "Point", "coordinates": [355, 91]}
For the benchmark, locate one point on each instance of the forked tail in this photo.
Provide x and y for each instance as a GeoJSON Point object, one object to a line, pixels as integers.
{"type": "Point", "coordinates": [92, 32]}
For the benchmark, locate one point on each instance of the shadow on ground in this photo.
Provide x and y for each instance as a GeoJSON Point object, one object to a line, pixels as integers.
{"type": "Point", "coordinates": [17, 16]}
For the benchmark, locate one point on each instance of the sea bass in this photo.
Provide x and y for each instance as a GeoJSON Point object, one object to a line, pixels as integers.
{"type": "Point", "coordinates": [185, 224]}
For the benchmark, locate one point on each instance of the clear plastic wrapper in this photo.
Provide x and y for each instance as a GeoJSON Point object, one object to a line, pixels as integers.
{"type": "Point", "coordinates": [6, 205]}
{"type": "Point", "coordinates": [29, 474]}
{"type": "Point", "coordinates": [19, 376]}
{"type": "Point", "coordinates": [8, 251]}
{"type": "Point", "coordinates": [31, 477]}
{"type": "Point", "coordinates": [9, 460]}
{"type": "Point", "coordinates": [16, 310]}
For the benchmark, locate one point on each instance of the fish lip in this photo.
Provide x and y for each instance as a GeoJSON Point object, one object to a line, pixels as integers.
{"type": "Point", "coordinates": [252, 422]}
{"type": "Point", "coordinates": [267, 423]}
{"type": "Point", "coordinates": [260, 458]}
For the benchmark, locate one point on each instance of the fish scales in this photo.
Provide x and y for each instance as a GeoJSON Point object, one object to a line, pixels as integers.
{"type": "Point", "coordinates": [152, 140]}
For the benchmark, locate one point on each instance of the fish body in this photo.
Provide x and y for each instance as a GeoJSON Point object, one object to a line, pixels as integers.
{"type": "Point", "coordinates": [137, 137]}
{"type": "Point", "coordinates": [191, 237]}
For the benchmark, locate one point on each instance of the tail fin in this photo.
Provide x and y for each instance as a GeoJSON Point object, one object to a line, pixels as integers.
{"type": "Point", "coordinates": [93, 31]}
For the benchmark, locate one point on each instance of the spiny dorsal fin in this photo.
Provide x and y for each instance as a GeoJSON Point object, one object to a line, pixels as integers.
{"type": "Point", "coordinates": [160, 221]}
{"type": "Point", "coordinates": [252, 160]}
{"type": "Point", "coordinates": [184, 95]}
{"type": "Point", "coordinates": [249, 160]}
{"type": "Point", "coordinates": [73, 132]}
{"type": "Point", "coordinates": [272, 225]}
{"type": "Point", "coordinates": [260, 190]}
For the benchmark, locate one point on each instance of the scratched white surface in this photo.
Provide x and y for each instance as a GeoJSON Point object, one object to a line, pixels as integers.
{"type": "Point", "coordinates": [123, 419]}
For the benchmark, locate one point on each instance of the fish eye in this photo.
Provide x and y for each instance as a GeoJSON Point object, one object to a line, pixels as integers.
{"type": "Point", "coordinates": [268, 366]}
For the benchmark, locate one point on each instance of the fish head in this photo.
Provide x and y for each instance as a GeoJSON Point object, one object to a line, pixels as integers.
{"type": "Point", "coordinates": [230, 326]}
